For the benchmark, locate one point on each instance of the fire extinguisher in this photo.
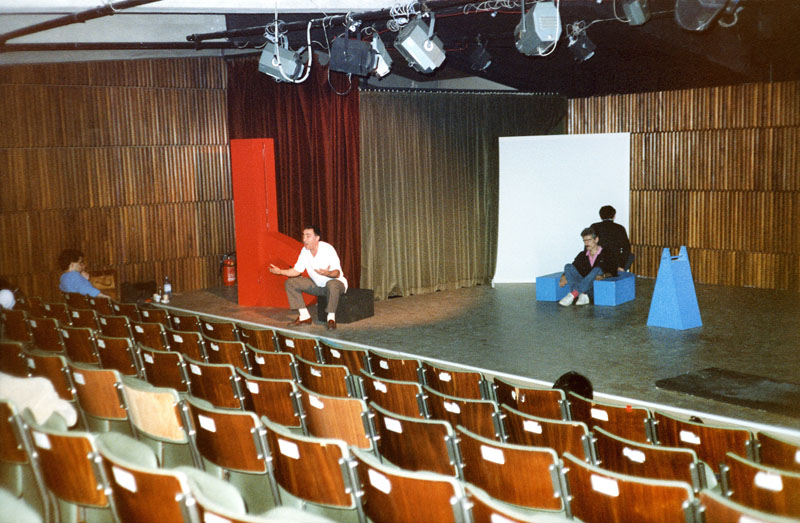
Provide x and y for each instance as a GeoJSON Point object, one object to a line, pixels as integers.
{"type": "Point", "coordinates": [228, 269]}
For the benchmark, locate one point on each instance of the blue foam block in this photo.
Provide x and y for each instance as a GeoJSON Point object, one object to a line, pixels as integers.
{"type": "Point", "coordinates": [674, 304]}
{"type": "Point", "coordinates": [547, 288]}
{"type": "Point", "coordinates": [616, 290]}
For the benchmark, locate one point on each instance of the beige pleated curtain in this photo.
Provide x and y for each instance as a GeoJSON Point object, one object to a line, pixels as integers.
{"type": "Point", "coordinates": [429, 183]}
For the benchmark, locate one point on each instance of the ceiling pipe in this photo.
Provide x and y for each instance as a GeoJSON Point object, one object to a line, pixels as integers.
{"type": "Point", "coordinates": [74, 18]}
{"type": "Point", "coordinates": [368, 16]}
{"type": "Point", "coordinates": [121, 46]}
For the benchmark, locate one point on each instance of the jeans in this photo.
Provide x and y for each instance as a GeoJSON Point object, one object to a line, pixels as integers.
{"type": "Point", "coordinates": [582, 284]}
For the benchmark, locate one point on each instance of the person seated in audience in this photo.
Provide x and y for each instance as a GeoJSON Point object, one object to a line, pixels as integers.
{"type": "Point", "coordinates": [7, 298]}
{"type": "Point", "coordinates": [75, 278]}
{"type": "Point", "coordinates": [614, 238]}
{"type": "Point", "coordinates": [575, 382]}
{"type": "Point", "coordinates": [594, 263]}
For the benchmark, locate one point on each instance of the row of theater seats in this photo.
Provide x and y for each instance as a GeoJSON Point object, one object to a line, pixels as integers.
{"type": "Point", "coordinates": [323, 390]}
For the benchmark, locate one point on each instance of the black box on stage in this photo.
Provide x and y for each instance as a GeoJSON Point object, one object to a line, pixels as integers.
{"type": "Point", "coordinates": [354, 305]}
{"type": "Point", "coordinates": [139, 291]}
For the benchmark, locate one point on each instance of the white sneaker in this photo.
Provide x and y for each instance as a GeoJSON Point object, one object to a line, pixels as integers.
{"type": "Point", "coordinates": [583, 299]}
{"type": "Point", "coordinates": [567, 300]}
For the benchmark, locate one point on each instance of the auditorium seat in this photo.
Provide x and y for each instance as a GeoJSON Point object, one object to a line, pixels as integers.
{"type": "Point", "coordinates": [517, 474]}
{"type": "Point", "coordinates": [232, 443]}
{"type": "Point", "coordinates": [561, 436]}
{"type": "Point", "coordinates": [149, 334]}
{"type": "Point", "coordinates": [310, 469]}
{"type": "Point", "coordinates": [84, 318]}
{"type": "Point", "coordinates": [102, 305]}
{"type": "Point", "coordinates": [352, 358]}
{"type": "Point", "coordinates": [224, 351]}
{"type": "Point", "coordinates": [52, 366]}
{"type": "Point", "coordinates": [188, 343]}
{"type": "Point", "coordinates": [485, 509]}
{"type": "Point", "coordinates": [709, 442]}
{"type": "Point", "coordinates": [33, 305]}
{"type": "Point", "coordinates": [273, 398]}
{"type": "Point", "coordinates": [332, 417]}
{"type": "Point", "coordinates": [716, 507]}
{"type": "Point", "coordinates": [761, 487]}
{"type": "Point", "coordinates": [414, 443]}
{"type": "Point", "coordinates": [390, 494]}
{"type": "Point", "coordinates": [57, 311]}
{"type": "Point", "coordinates": [155, 315]}
{"type": "Point", "coordinates": [17, 474]}
{"type": "Point", "coordinates": [600, 496]}
{"type": "Point", "coordinates": [393, 368]}
{"type": "Point", "coordinates": [98, 399]}
{"type": "Point", "coordinates": [12, 358]}
{"type": "Point", "coordinates": [130, 310]}
{"type": "Point", "coordinates": [15, 325]}
{"type": "Point", "coordinates": [625, 421]}
{"type": "Point", "coordinates": [155, 416]}
{"type": "Point", "coordinates": [541, 402]}
{"type": "Point", "coordinates": [76, 300]}
{"type": "Point", "coordinates": [649, 461]}
{"type": "Point", "coordinates": [479, 416]}
{"type": "Point", "coordinates": [115, 326]}
{"type": "Point", "coordinates": [46, 334]}
{"type": "Point", "coordinates": [453, 382]}
{"type": "Point", "coordinates": [117, 353]}
{"type": "Point", "coordinates": [185, 322]}
{"type": "Point", "coordinates": [778, 453]}
{"type": "Point", "coordinates": [219, 329]}
{"type": "Point", "coordinates": [260, 338]}
{"type": "Point", "coordinates": [400, 397]}
{"type": "Point", "coordinates": [164, 368]}
{"type": "Point", "coordinates": [272, 365]}
{"type": "Point", "coordinates": [80, 344]}
{"type": "Point", "coordinates": [215, 383]}
{"type": "Point", "coordinates": [304, 347]}
{"type": "Point", "coordinates": [329, 380]}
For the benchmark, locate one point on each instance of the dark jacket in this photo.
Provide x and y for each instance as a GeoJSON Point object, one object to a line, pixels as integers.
{"type": "Point", "coordinates": [604, 260]}
{"type": "Point", "coordinates": [614, 239]}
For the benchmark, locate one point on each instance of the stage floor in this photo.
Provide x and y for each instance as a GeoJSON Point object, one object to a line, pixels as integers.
{"type": "Point", "coordinates": [504, 329]}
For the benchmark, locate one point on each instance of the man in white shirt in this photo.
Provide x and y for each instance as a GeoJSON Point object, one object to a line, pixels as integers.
{"type": "Point", "coordinates": [322, 263]}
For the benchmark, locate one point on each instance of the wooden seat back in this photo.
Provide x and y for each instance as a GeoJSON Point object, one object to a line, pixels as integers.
{"type": "Point", "coordinates": [329, 380]}
{"type": "Point", "coordinates": [760, 487]}
{"type": "Point", "coordinates": [96, 390]}
{"type": "Point", "coordinates": [415, 443]}
{"type": "Point", "coordinates": [185, 322]}
{"type": "Point", "coordinates": [261, 339]}
{"type": "Point", "coordinates": [333, 417]}
{"type": "Point", "coordinates": [516, 474]}
{"type": "Point", "coordinates": [398, 369]}
{"type": "Point", "coordinates": [154, 411]}
{"type": "Point", "coordinates": [485, 509]}
{"type": "Point", "coordinates": [164, 368]}
{"type": "Point", "coordinates": [709, 442]}
{"type": "Point", "coordinates": [84, 318]}
{"type": "Point", "coordinates": [479, 416]}
{"type": "Point", "coordinates": [561, 436]}
{"type": "Point", "coordinates": [230, 352]}
{"type": "Point", "coordinates": [400, 397]}
{"type": "Point", "coordinates": [271, 398]}
{"type": "Point", "coordinates": [306, 348]}
{"type": "Point", "coordinates": [57, 311]}
{"type": "Point", "coordinates": [597, 495]}
{"type": "Point", "coordinates": [149, 334]}
{"type": "Point", "coordinates": [188, 343]}
{"type": "Point", "coordinates": [392, 494]}
{"type": "Point", "coordinates": [52, 366]}
{"type": "Point", "coordinates": [102, 305]}
{"type": "Point", "coordinates": [15, 325]}
{"type": "Point", "coordinates": [353, 359]}
{"type": "Point", "coordinates": [716, 507]}
{"type": "Point", "coordinates": [130, 310]}
{"type": "Point", "coordinates": [46, 334]}
{"type": "Point", "coordinates": [79, 344]}
{"type": "Point", "coordinates": [216, 383]}
{"type": "Point", "coordinates": [116, 353]}
{"type": "Point", "coordinates": [220, 330]}
{"type": "Point", "coordinates": [155, 315]}
{"type": "Point", "coordinates": [778, 453]}
{"type": "Point", "coordinates": [271, 365]}
{"type": "Point", "coordinates": [625, 421]}
{"type": "Point", "coordinates": [541, 402]}
{"type": "Point", "coordinates": [115, 326]}
{"type": "Point", "coordinates": [309, 468]}
{"type": "Point", "coordinates": [12, 450]}
{"type": "Point", "coordinates": [12, 358]}
{"type": "Point", "coordinates": [76, 300]}
{"type": "Point", "coordinates": [457, 383]}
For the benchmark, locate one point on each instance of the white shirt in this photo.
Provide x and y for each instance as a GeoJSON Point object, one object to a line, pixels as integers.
{"type": "Point", "coordinates": [326, 259]}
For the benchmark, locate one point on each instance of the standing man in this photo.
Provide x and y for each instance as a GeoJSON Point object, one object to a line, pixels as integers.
{"type": "Point", "coordinates": [595, 263]}
{"type": "Point", "coordinates": [326, 277]}
{"type": "Point", "coordinates": [614, 238]}
{"type": "Point", "coordinates": [75, 277]}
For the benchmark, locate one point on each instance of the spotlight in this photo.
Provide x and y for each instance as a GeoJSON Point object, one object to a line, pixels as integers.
{"type": "Point", "coordinates": [352, 56]}
{"type": "Point", "coordinates": [280, 62]}
{"type": "Point", "coordinates": [636, 11]}
{"type": "Point", "coordinates": [697, 15]}
{"type": "Point", "coordinates": [582, 48]}
{"type": "Point", "coordinates": [479, 57]}
{"type": "Point", "coordinates": [383, 62]}
{"type": "Point", "coordinates": [417, 43]}
{"type": "Point", "coordinates": [539, 28]}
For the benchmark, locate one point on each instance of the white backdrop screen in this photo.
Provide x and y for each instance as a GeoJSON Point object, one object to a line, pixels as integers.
{"type": "Point", "coordinates": [551, 187]}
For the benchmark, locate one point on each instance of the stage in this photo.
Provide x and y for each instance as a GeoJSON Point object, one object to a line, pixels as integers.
{"type": "Point", "coordinates": [505, 330]}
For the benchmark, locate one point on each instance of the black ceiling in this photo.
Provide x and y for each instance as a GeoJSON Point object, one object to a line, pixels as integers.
{"type": "Point", "coordinates": [763, 45]}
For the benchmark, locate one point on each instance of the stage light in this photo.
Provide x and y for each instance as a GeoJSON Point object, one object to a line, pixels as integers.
{"type": "Point", "coordinates": [479, 57]}
{"type": "Point", "coordinates": [582, 48]}
{"type": "Point", "coordinates": [383, 62]}
{"type": "Point", "coordinates": [419, 46]}
{"type": "Point", "coordinates": [538, 30]}
{"type": "Point", "coordinates": [352, 56]}
{"type": "Point", "coordinates": [636, 11]}
{"type": "Point", "coordinates": [697, 15]}
{"type": "Point", "coordinates": [281, 63]}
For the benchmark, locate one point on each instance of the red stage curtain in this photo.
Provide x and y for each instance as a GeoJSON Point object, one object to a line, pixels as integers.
{"type": "Point", "coordinates": [316, 133]}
